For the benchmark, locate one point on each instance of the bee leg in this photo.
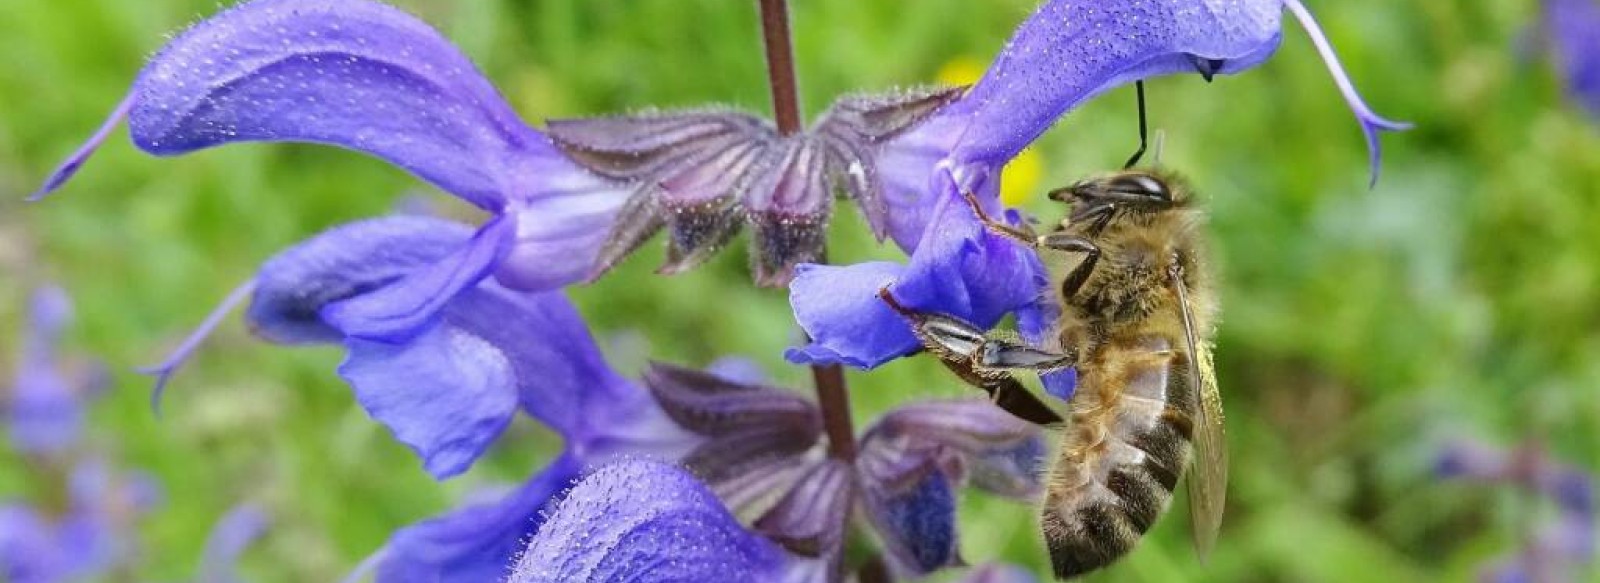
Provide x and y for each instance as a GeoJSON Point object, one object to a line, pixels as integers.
{"type": "Point", "coordinates": [1023, 234]}
{"type": "Point", "coordinates": [1073, 244]}
{"type": "Point", "coordinates": [983, 362]}
{"type": "Point", "coordinates": [1143, 129]}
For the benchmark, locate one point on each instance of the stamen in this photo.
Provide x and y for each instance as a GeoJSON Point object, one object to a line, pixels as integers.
{"type": "Point", "coordinates": [1371, 123]}
{"type": "Point", "coordinates": [64, 172]}
{"type": "Point", "coordinates": [168, 367]}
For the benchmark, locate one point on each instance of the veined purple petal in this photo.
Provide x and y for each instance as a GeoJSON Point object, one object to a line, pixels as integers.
{"type": "Point", "coordinates": [789, 205]}
{"type": "Point", "coordinates": [1571, 26]}
{"type": "Point", "coordinates": [960, 269]}
{"type": "Point", "coordinates": [917, 524]}
{"type": "Point", "coordinates": [401, 309]}
{"type": "Point", "coordinates": [474, 543]}
{"type": "Point", "coordinates": [856, 128]}
{"type": "Point", "coordinates": [446, 393]}
{"type": "Point", "coordinates": [645, 522]}
{"type": "Point", "coordinates": [228, 540]}
{"type": "Point", "coordinates": [350, 73]}
{"type": "Point", "coordinates": [711, 405]}
{"type": "Point", "coordinates": [341, 263]}
{"type": "Point", "coordinates": [810, 520]}
{"type": "Point", "coordinates": [969, 425]}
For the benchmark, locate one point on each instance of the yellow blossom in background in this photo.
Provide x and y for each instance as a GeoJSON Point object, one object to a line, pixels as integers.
{"type": "Point", "coordinates": [1020, 178]}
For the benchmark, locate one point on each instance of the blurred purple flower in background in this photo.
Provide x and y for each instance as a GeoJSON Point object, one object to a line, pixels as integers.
{"type": "Point", "coordinates": [233, 533]}
{"type": "Point", "coordinates": [1572, 30]}
{"type": "Point", "coordinates": [93, 535]}
{"type": "Point", "coordinates": [44, 408]}
{"type": "Point", "coordinates": [1066, 53]}
{"type": "Point", "coordinates": [1558, 551]}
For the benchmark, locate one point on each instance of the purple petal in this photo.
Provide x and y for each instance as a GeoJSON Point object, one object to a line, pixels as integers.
{"type": "Point", "coordinates": [474, 543]}
{"type": "Point", "coordinates": [961, 269]}
{"type": "Point", "coordinates": [228, 540]}
{"type": "Point", "coordinates": [645, 522]}
{"type": "Point", "coordinates": [908, 175]}
{"type": "Point", "coordinates": [788, 206]}
{"type": "Point", "coordinates": [446, 393]}
{"type": "Point", "coordinates": [398, 310]}
{"type": "Point", "coordinates": [917, 524]}
{"type": "Point", "coordinates": [713, 406]}
{"type": "Point", "coordinates": [561, 377]}
{"type": "Point", "coordinates": [855, 129]}
{"type": "Point", "coordinates": [1071, 50]}
{"type": "Point", "coordinates": [839, 309]}
{"type": "Point", "coordinates": [559, 237]}
{"type": "Point", "coordinates": [343, 262]}
{"type": "Point", "coordinates": [1571, 26]}
{"type": "Point", "coordinates": [355, 74]}
{"type": "Point", "coordinates": [810, 520]}
{"type": "Point", "coordinates": [969, 425]}
{"type": "Point", "coordinates": [1371, 123]}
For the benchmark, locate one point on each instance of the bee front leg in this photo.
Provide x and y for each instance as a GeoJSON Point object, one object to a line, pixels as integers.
{"type": "Point", "coordinates": [1023, 234]}
{"type": "Point", "coordinates": [1073, 244]}
{"type": "Point", "coordinates": [983, 362]}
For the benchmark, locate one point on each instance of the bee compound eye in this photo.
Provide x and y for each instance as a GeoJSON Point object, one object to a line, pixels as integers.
{"type": "Point", "coordinates": [1141, 185]}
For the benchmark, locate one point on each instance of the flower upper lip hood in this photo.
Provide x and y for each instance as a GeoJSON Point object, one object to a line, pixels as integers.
{"type": "Point", "coordinates": [364, 76]}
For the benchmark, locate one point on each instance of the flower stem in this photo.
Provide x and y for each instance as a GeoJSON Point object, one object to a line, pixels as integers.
{"type": "Point", "coordinates": [832, 394]}
{"type": "Point", "coordinates": [780, 65]}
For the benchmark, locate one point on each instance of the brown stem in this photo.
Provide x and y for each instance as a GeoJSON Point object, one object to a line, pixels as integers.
{"type": "Point", "coordinates": [832, 394]}
{"type": "Point", "coordinates": [780, 65]}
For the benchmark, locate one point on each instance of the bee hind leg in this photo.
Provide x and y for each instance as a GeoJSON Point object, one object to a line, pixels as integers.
{"type": "Point", "coordinates": [983, 362]}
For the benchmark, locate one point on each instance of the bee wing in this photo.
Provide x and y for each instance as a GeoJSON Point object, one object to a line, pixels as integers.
{"type": "Point", "coordinates": [1208, 471]}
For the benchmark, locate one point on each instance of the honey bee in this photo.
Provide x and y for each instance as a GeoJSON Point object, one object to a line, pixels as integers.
{"type": "Point", "coordinates": [1136, 322]}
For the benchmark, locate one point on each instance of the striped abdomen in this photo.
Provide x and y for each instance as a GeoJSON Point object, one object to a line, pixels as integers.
{"type": "Point", "coordinates": [1127, 445]}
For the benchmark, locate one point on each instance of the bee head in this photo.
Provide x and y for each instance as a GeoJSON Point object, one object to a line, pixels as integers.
{"type": "Point", "coordinates": [1129, 190]}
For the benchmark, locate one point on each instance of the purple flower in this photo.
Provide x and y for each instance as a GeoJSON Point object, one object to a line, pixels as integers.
{"type": "Point", "coordinates": [367, 77]}
{"type": "Point", "coordinates": [450, 389]}
{"type": "Point", "coordinates": [45, 407]}
{"type": "Point", "coordinates": [1573, 31]}
{"type": "Point", "coordinates": [646, 522]}
{"type": "Point", "coordinates": [760, 455]}
{"type": "Point", "coordinates": [1067, 52]}
{"type": "Point", "coordinates": [704, 175]}
{"type": "Point", "coordinates": [28, 549]}
{"type": "Point", "coordinates": [1558, 549]}
{"type": "Point", "coordinates": [477, 542]}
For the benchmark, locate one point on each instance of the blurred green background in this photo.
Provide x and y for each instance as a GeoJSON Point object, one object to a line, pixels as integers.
{"type": "Point", "coordinates": [1360, 329]}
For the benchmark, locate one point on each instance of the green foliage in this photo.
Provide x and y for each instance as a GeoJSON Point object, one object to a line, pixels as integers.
{"type": "Point", "coordinates": [1460, 297]}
